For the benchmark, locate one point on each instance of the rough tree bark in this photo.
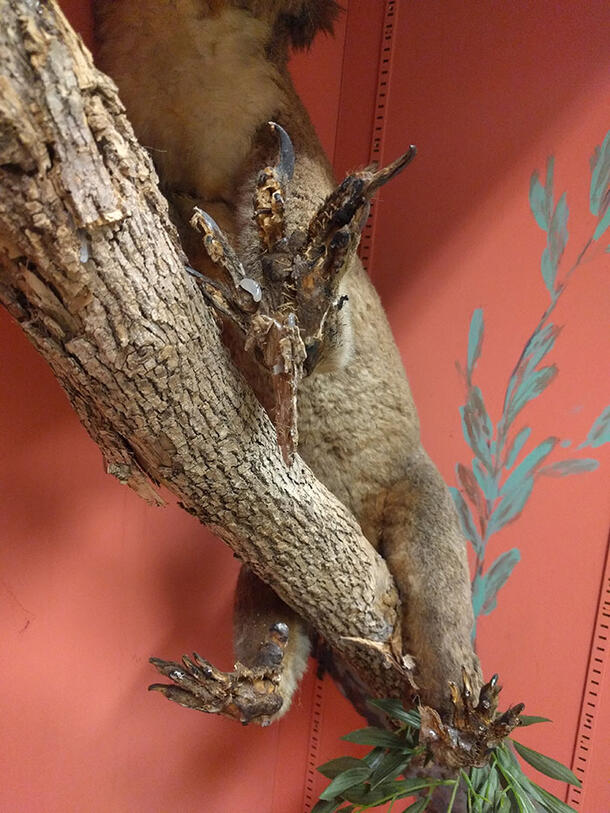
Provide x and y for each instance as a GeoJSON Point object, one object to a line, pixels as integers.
{"type": "Point", "coordinates": [92, 270]}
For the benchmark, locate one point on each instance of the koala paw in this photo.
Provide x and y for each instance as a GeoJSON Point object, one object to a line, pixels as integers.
{"type": "Point", "coordinates": [474, 728]}
{"type": "Point", "coordinates": [247, 694]}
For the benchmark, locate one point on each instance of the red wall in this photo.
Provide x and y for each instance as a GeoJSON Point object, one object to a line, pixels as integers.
{"type": "Point", "coordinates": [93, 581]}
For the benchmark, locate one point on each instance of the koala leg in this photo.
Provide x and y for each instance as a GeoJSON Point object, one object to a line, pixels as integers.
{"type": "Point", "coordinates": [420, 539]}
{"type": "Point", "coordinates": [257, 611]}
{"type": "Point", "coordinates": [271, 646]}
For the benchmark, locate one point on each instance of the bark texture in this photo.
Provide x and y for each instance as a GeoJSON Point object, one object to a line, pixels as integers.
{"type": "Point", "coordinates": [91, 268]}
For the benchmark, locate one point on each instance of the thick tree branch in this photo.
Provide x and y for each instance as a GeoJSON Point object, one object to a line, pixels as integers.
{"type": "Point", "coordinates": [91, 268]}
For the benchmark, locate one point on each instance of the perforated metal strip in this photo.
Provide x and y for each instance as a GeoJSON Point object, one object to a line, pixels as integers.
{"type": "Point", "coordinates": [313, 752]}
{"type": "Point", "coordinates": [598, 663]}
{"type": "Point", "coordinates": [381, 102]}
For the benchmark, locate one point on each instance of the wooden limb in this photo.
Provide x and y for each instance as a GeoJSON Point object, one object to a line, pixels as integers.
{"type": "Point", "coordinates": [91, 269]}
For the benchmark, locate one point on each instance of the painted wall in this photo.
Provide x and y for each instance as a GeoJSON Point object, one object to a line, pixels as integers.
{"type": "Point", "coordinates": [93, 581]}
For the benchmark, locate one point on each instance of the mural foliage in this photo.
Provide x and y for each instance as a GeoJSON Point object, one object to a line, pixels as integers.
{"type": "Point", "coordinates": [494, 489]}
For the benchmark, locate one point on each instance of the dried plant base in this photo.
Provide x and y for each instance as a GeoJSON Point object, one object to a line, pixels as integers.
{"type": "Point", "coordinates": [248, 694]}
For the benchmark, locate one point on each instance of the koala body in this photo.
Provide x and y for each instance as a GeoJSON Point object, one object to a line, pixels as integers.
{"type": "Point", "coordinates": [200, 80]}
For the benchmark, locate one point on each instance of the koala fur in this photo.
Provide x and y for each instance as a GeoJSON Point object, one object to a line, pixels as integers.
{"type": "Point", "coordinates": [200, 80]}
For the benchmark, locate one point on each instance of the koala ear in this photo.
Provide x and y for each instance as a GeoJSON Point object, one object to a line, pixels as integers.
{"type": "Point", "coordinates": [299, 26]}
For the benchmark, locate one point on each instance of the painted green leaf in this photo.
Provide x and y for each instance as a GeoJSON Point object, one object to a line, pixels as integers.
{"type": "Point", "coordinates": [549, 271]}
{"type": "Point", "coordinates": [517, 444]}
{"type": "Point", "coordinates": [477, 426]}
{"type": "Point", "coordinates": [344, 781]}
{"type": "Point", "coordinates": [495, 578]}
{"type": "Point", "coordinates": [374, 736]}
{"type": "Point", "coordinates": [599, 432]}
{"type": "Point", "coordinates": [546, 765]}
{"type": "Point", "coordinates": [600, 175]}
{"type": "Point", "coordinates": [511, 506]}
{"type": "Point", "coordinates": [539, 345]}
{"type": "Point", "coordinates": [565, 467]}
{"type": "Point", "coordinates": [558, 231]}
{"type": "Point", "coordinates": [528, 466]}
{"type": "Point", "coordinates": [475, 339]}
{"type": "Point", "coordinates": [468, 482]}
{"type": "Point", "coordinates": [334, 767]}
{"type": "Point", "coordinates": [538, 201]}
{"type": "Point", "coordinates": [531, 387]}
{"type": "Point", "coordinates": [486, 481]}
{"type": "Point", "coordinates": [465, 517]}
{"type": "Point", "coordinates": [478, 595]}
{"type": "Point", "coordinates": [603, 223]}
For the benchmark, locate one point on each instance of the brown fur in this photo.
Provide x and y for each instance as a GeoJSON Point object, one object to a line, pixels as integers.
{"type": "Point", "coordinates": [358, 427]}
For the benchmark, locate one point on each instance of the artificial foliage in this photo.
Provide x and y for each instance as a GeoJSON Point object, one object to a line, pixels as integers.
{"type": "Point", "coordinates": [378, 778]}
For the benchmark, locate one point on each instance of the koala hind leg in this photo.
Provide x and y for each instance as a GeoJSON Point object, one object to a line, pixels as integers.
{"type": "Point", "coordinates": [257, 610]}
{"type": "Point", "coordinates": [419, 530]}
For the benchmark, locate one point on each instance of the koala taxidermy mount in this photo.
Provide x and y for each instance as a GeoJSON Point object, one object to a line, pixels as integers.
{"type": "Point", "coordinates": [214, 100]}
{"type": "Point", "coordinates": [301, 319]}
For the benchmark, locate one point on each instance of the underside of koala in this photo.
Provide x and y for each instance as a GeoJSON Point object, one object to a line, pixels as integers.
{"type": "Point", "coordinates": [273, 243]}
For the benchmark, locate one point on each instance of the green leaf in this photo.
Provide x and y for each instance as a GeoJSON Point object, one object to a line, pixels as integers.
{"type": "Point", "coordinates": [347, 779]}
{"type": "Point", "coordinates": [334, 767]}
{"type": "Point", "coordinates": [392, 766]}
{"type": "Point", "coordinates": [326, 806]}
{"type": "Point", "coordinates": [374, 736]}
{"type": "Point", "coordinates": [530, 719]}
{"type": "Point", "coordinates": [394, 708]}
{"type": "Point", "coordinates": [546, 765]}
{"type": "Point", "coordinates": [550, 802]}
{"type": "Point", "coordinates": [417, 807]}
{"type": "Point", "coordinates": [475, 339]}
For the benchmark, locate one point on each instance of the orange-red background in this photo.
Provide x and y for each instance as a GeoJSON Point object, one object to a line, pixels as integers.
{"type": "Point", "coordinates": [93, 581]}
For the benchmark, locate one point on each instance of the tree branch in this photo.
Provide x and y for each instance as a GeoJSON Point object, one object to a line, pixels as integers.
{"type": "Point", "coordinates": [91, 268]}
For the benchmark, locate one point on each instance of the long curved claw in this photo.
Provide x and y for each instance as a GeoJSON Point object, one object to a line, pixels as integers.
{"type": "Point", "coordinates": [217, 246]}
{"type": "Point", "coordinates": [270, 192]}
{"type": "Point", "coordinates": [285, 165]}
{"type": "Point", "coordinates": [382, 176]}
